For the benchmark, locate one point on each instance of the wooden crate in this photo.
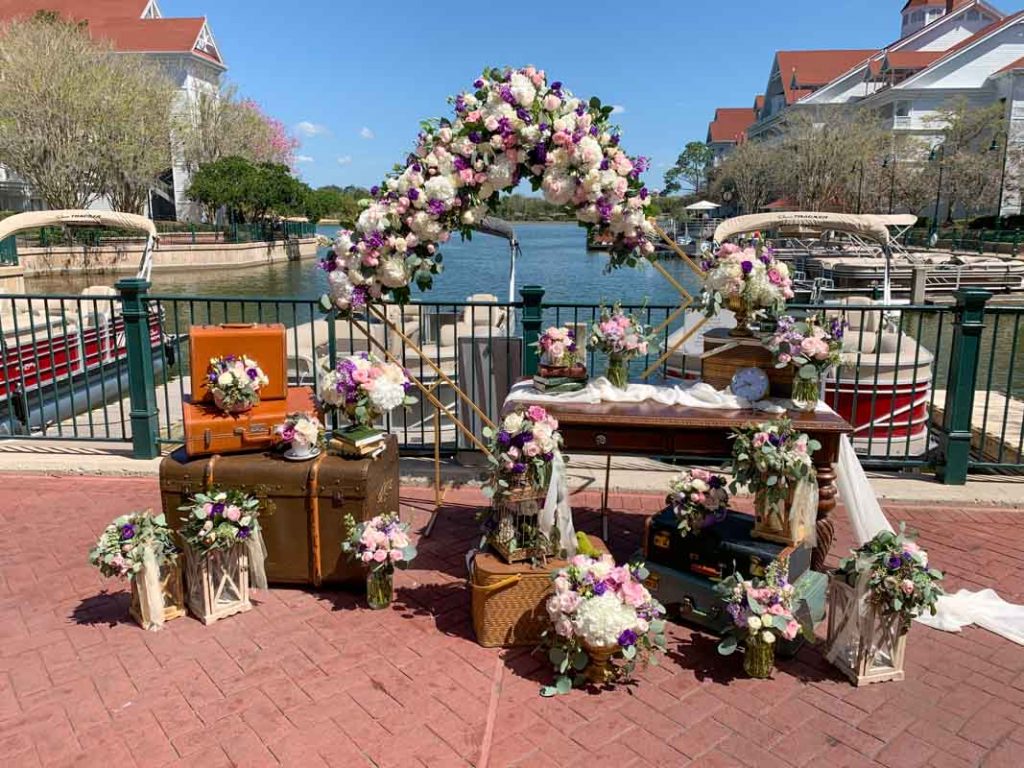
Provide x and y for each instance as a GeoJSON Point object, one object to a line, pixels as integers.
{"type": "Point", "coordinates": [875, 644]}
{"type": "Point", "coordinates": [173, 592]}
{"type": "Point", "coordinates": [724, 355]}
{"type": "Point", "coordinates": [217, 583]}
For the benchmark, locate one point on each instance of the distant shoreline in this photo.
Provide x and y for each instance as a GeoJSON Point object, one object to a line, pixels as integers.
{"type": "Point", "coordinates": [334, 222]}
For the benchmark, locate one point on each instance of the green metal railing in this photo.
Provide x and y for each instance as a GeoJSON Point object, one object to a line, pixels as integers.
{"type": "Point", "coordinates": [46, 237]}
{"type": "Point", "coordinates": [941, 390]}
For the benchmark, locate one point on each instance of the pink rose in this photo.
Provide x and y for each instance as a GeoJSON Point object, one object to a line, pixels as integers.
{"type": "Point", "coordinates": [531, 449]}
{"type": "Point", "coordinates": [792, 630]}
{"type": "Point", "coordinates": [551, 102]}
{"type": "Point", "coordinates": [907, 586]}
{"type": "Point", "coordinates": [233, 513]}
{"type": "Point", "coordinates": [536, 413]}
{"type": "Point", "coordinates": [380, 555]}
{"type": "Point", "coordinates": [367, 556]}
{"type": "Point", "coordinates": [760, 439]}
{"type": "Point", "coordinates": [634, 593]}
{"type": "Point", "coordinates": [396, 555]}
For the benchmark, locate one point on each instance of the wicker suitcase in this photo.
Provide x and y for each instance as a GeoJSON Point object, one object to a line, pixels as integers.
{"type": "Point", "coordinates": [508, 599]}
{"type": "Point", "coordinates": [724, 355]}
{"type": "Point", "coordinates": [263, 343]}
{"type": "Point", "coordinates": [209, 430]}
{"type": "Point", "coordinates": [305, 503]}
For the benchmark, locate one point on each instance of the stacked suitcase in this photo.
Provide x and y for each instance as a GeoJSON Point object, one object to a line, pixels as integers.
{"type": "Point", "coordinates": [304, 502]}
{"type": "Point", "coordinates": [685, 570]}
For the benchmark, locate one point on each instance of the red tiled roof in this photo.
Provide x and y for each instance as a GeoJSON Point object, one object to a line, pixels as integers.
{"type": "Point", "coordinates": [120, 23]}
{"type": "Point", "coordinates": [1018, 64]}
{"type": "Point", "coordinates": [730, 123]}
{"type": "Point", "coordinates": [911, 59]}
{"type": "Point", "coordinates": [82, 10]}
{"type": "Point", "coordinates": [813, 69]}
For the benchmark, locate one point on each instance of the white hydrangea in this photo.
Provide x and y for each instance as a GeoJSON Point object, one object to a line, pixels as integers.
{"type": "Point", "coordinates": [523, 89]}
{"type": "Point", "coordinates": [392, 272]}
{"type": "Point", "coordinates": [386, 395]}
{"type": "Point", "coordinates": [601, 620]}
{"type": "Point", "coordinates": [373, 219]}
{"type": "Point", "coordinates": [440, 188]}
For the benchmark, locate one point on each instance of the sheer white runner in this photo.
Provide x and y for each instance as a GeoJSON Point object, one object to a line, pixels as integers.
{"type": "Point", "coordinates": [984, 608]}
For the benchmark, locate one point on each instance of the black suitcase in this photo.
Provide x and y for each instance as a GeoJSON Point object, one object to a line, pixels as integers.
{"type": "Point", "coordinates": [719, 550]}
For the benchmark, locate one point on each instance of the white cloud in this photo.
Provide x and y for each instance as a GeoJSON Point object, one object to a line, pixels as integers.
{"type": "Point", "coordinates": [366, 133]}
{"type": "Point", "coordinates": [618, 109]}
{"type": "Point", "coordinates": [344, 159]}
{"type": "Point", "coordinates": [303, 159]}
{"type": "Point", "coordinates": [306, 128]}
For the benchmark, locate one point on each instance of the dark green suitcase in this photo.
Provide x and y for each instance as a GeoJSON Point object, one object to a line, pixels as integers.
{"type": "Point", "coordinates": [719, 550]}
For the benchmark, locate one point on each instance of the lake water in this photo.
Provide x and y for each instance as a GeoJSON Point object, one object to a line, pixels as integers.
{"type": "Point", "coordinates": [553, 256]}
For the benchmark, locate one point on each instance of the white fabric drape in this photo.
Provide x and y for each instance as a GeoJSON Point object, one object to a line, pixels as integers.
{"type": "Point", "coordinates": [151, 596]}
{"type": "Point", "coordinates": [257, 552]}
{"type": "Point", "coordinates": [557, 510]}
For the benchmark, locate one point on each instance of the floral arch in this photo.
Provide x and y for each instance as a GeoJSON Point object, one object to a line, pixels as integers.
{"type": "Point", "coordinates": [513, 125]}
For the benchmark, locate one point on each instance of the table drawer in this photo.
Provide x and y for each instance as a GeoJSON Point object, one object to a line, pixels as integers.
{"type": "Point", "coordinates": [616, 440]}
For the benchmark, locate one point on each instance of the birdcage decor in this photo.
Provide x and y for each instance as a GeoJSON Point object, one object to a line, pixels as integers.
{"type": "Point", "coordinates": [170, 587]}
{"type": "Point", "coordinates": [514, 526]}
{"type": "Point", "coordinates": [217, 582]}
{"type": "Point", "coordinates": [864, 643]}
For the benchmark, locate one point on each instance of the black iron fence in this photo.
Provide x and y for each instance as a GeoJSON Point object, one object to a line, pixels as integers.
{"type": "Point", "coordinates": [929, 387]}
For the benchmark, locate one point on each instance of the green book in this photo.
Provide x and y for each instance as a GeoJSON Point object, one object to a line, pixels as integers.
{"type": "Point", "coordinates": [359, 435]}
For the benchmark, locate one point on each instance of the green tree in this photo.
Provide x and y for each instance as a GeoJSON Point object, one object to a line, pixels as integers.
{"type": "Point", "coordinates": [692, 166]}
{"type": "Point", "coordinates": [753, 173]}
{"type": "Point", "coordinates": [77, 119]}
{"type": "Point", "coordinates": [971, 156]}
{"type": "Point", "coordinates": [250, 191]}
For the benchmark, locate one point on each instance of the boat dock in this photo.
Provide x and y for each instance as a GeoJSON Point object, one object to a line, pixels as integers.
{"type": "Point", "coordinates": [996, 424]}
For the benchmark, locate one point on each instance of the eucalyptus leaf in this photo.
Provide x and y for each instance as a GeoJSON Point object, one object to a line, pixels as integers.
{"type": "Point", "coordinates": [728, 645]}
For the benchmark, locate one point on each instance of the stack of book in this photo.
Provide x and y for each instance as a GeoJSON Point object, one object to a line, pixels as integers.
{"type": "Point", "coordinates": [359, 441]}
{"type": "Point", "coordinates": [553, 385]}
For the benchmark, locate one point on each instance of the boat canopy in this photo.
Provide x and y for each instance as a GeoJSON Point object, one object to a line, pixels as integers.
{"type": "Point", "coordinates": [75, 218]}
{"type": "Point", "coordinates": [866, 225]}
{"type": "Point", "coordinates": [492, 225]}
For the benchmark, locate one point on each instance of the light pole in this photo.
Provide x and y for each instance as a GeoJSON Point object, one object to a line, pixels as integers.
{"type": "Point", "coordinates": [937, 153]}
{"type": "Point", "coordinates": [1002, 174]}
{"type": "Point", "coordinates": [892, 177]}
{"type": "Point", "coordinates": [860, 182]}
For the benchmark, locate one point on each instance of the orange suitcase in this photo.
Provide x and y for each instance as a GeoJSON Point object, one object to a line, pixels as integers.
{"type": "Point", "coordinates": [263, 343]}
{"type": "Point", "coordinates": [209, 430]}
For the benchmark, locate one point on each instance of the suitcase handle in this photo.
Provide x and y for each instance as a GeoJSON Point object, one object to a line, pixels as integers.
{"type": "Point", "coordinates": [238, 325]}
{"type": "Point", "coordinates": [508, 581]}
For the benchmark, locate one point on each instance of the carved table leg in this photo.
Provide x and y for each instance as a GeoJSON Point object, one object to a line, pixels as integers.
{"type": "Point", "coordinates": [825, 528]}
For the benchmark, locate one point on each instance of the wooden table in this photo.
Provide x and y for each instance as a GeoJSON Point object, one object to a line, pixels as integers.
{"type": "Point", "coordinates": [652, 429]}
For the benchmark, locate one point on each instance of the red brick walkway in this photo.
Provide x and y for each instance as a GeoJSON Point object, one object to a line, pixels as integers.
{"type": "Point", "coordinates": [316, 679]}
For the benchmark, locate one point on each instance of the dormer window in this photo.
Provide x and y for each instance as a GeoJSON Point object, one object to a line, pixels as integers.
{"type": "Point", "coordinates": [205, 42]}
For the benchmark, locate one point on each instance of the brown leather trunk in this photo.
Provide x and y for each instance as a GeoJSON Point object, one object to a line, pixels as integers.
{"type": "Point", "coordinates": [209, 430]}
{"type": "Point", "coordinates": [263, 343]}
{"type": "Point", "coordinates": [305, 504]}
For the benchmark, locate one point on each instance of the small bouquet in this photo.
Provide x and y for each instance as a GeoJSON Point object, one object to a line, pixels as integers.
{"type": "Point", "coordinates": [770, 457]}
{"type": "Point", "coordinates": [522, 451]}
{"type": "Point", "coordinates": [381, 543]}
{"type": "Point", "coordinates": [125, 544]}
{"type": "Point", "coordinates": [746, 281]}
{"type": "Point", "coordinates": [812, 346]}
{"type": "Point", "coordinates": [303, 430]}
{"type": "Point", "coordinates": [364, 388]}
{"type": "Point", "coordinates": [235, 382]}
{"type": "Point", "coordinates": [139, 547]}
{"type": "Point", "coordinates": [621, 337]}
{"type": "Point", "coordinates": [762, 611]}
{"type": "Point", "coordinates": [899, 581]}
{"type": "Point", "coordinates": [699, 498]}
{"type": "Point", "coordinates": [219, 520]}
{"type": "Point", "coordinates": [600, 611]}
{"type": "Point", "coordinates": [557, 346]}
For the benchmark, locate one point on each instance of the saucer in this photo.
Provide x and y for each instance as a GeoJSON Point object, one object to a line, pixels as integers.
{"type": "Point", "coordinates": [306, 457]}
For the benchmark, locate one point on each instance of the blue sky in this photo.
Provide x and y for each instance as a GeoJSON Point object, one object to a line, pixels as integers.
{"type": "Point", "coordinates": [359, 76]}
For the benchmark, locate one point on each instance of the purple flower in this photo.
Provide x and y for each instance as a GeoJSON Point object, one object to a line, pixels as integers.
{"type": "Point", "coordinates": [478, 83]}
{"type": "Point", "coordinates": [244, 533]}
{"type": "Point", "coordinates": [413, 194]}
{"type": "Point", "coordinates": [128, 531]}
{"type": "Point", "coordinates": [475, 137]}
{"type": "Point", "coordinates": [252, 374]}
{"type": "Point", "coordinates": [627, 638]}
{"type": "Point", "coordinates": [217, 509]}
{"type": "Point", "coordinates": [506, 95]}
{"type": "Point", "coordinates": [518, 468]}
{"type": "Point", "coordinates": [374, 190]}
{"type": "Point", "coordinates": [894, 562]}
{"type": "Point", "coordinates": [436, 207]}
{"type": "Point", "coordinates": [556, 86]}
{"type": "Point", "coordinates": [547, 456]}
{"type": "Point", "coordinates": [747, 267]}
{"type": "Point", "coordinates": [907, 558]}
{"type": "Point", "coordinates": [600, 588]}
{"type": "Point", "coordinates": [504, 438]}
{"type": "Point", "coordinates": [593, 130]}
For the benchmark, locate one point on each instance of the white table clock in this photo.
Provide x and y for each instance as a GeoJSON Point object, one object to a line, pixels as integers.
{"type": "Point", "coordinates": [750, 384]}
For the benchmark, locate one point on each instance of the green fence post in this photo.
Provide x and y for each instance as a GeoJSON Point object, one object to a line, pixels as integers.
{"type": "Point", "coordinates": [141, 382]}
{"type": "Point", "coordinates": [532, 297]}
{"type": "Point", "coordinates": [968, 323]}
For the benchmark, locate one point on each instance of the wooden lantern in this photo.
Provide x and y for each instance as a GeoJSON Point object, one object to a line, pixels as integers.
{"type": "Point", "coordinates": [217, 583]}
{"type": "Point", "coordinates": [170, 587]}
{"type": "Point", "coordinates": [516, 533]}
{"type": "Point", "coordinates": [866, 644]}
{"type": "Point", "coordinates": [773, 521]}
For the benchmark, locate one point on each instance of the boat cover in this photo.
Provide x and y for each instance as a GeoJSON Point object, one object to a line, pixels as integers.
{"type": "Point", "coordinates": [867, 225]}
{"type": "Point", "coordinates": [78, 218]}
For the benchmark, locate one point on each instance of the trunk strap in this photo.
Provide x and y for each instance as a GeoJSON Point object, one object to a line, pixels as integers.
{"type": "Point", "coordinates": [313, 489]}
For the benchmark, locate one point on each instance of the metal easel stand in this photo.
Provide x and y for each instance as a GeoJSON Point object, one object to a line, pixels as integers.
{"type": "Point", "coordinates": [428, 391]}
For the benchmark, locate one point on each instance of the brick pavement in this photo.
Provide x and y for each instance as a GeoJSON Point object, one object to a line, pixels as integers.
{"type": "Point", "coordinates": [311, 678]}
